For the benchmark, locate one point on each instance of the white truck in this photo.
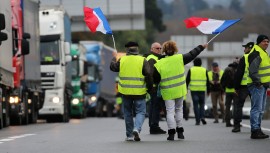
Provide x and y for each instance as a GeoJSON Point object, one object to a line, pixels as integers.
{"type": "Point", "coordinates": [55, 37]}
{"type": "Point", "coordinates": [6, 70]}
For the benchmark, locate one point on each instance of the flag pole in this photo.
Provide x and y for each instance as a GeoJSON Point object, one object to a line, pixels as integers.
{"type": "Point", "coordinates": [213, 38]}
{"type": "Point", "coordinates": [114, 43]}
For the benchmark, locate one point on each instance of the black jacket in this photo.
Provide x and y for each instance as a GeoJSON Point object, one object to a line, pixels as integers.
{"type": "Point", "coordinates": [227, 79]}
{"type": "Point", "coordinates": [239, 74]}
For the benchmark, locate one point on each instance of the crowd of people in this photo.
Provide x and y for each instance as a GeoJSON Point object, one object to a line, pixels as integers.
{"type": "Point", "coordinates": [161, 74]}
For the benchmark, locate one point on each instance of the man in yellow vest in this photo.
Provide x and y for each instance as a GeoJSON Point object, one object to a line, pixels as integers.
{"type": "Point", "coordinates": [216, 90]}
{"type": "Point", "coordinates": [258, 81]}
{"type": "Point", "coordinates": [197, 80]}
{"type": "Point", "coordinates": [240, 85]}
{"type": "Point", "coordinates": [169, 72]}
{"type": "Point", "coordinates": [156, 102]}
{"type": "Point", "coordinates": [228, 86]}
{"type": "Point", "coordinates": [134, 81]}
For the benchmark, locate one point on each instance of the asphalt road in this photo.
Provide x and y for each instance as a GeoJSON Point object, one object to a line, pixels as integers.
{"type": "Point", "coordinates": [106, 135]}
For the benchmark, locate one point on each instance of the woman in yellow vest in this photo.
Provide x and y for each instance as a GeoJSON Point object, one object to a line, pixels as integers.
{"type": "Point", "coordinates": [134, 81]}
{"type": "Point", "coordinates": [169, 72]}
{"type": "Point", "coordinates": [258, 81]}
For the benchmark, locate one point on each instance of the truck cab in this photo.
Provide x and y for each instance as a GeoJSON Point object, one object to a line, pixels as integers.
{"type": "Point", "coordinates": [79, 75]}
{"type": "Point", "coordinates": [55, 41]}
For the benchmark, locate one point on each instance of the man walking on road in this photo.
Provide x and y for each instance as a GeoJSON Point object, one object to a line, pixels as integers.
{"type": "Point", "coordinates": [134, 81]}
{"type": "Point", "coordinates": [216, 91]}
{"type": "Point", "coordinates": [155, 101]}
{"type": "Point", "coordinates": [240, 85]}
{"type": "Point", "coordinates": [258, 82]}
{"type": "Point", "coordinates": [197, 80]}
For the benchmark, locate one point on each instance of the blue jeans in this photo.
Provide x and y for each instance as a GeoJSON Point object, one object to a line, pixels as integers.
{"type": "Point", "coordinates": [258, 100]}
{"type": "Point", "coordinates": [140, 110]}
{"type": "Point", "coordinates": [198, 98]}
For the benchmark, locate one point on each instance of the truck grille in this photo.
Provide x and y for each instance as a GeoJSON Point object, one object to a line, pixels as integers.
{"type": "Point", "coordinates": [47, 80]}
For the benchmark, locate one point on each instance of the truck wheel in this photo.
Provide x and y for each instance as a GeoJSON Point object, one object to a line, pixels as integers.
{"type": "Point", "coordinates": [65, 117]}
{"type": "Point", "coordinates": [33, 109]}
{"type": "Point", "coordinates": [6, 107]}
{"type": "Point", "coordinates": [25, 118]}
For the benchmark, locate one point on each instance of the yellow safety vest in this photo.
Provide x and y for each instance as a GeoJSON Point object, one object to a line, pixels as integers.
{"type": "Point", "coordinates": [152, 56]}
{"type": "Point", "coordinates": [172, 73]}
{"type": "Point", "coordinates": [48, 58]}
{"type": "Point", "coordinates": [264, 68]}
{"type": "Point", "coordinates": [131, 79]}
{"type": "Point", "coordinates": [244, 79]}
{"type": "Point", "coordinates": [197, 78]}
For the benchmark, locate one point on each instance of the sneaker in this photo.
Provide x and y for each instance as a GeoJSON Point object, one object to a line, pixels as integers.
{"type": "Point", "coordinates": [129, 139]}
{"type": "Point", "coordinates": [197, 123]}
{"type": "Point", "coordinates": [264, 134]}
{"type": "Point", "coordinates": [257, 134]}
{"type": "Point", "coordinates": [203, 121]}
{"type": "Point", "coordinates": [216, 121]}
{"type": "Point", "coordinates": [157, 131]}
{"type": "Point", "coordinates": [136, 135]}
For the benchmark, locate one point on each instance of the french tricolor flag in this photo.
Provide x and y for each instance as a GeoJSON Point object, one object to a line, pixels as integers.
{"type": "Point", "coordinates": [209, 26]}
{"type": "Point", "coordinates": [96, 21]}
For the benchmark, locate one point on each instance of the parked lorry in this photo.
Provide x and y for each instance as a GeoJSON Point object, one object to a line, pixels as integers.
{"type": "Point", "coordinates": [101, 80]}
{"type": "Point", "coordinates": [55, 37]}
{"type": "Point", "coordinates": [26, 96]}
{"type": "Point", "coordinates": [6, 70]}
{"type": "Point", "coordinates": [79, 75]}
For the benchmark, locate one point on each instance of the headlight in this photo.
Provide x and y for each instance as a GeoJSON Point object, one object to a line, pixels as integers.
{"type": "Point", "coordinates": [75, 101]}
{"type": "Point", "coordinates": [93, 98]}
{"type": "Point", "coordinates": [14, 99]}
{"type": "Point", "coordinates": [205, 107]}
{"type": "Point", "coordinates": [55, 99]}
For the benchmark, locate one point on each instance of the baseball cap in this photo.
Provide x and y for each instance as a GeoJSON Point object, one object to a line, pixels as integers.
{"type": "Point", "coordinates": [215, 64]}
{"type": "Point", "coordinates": [249, 45]}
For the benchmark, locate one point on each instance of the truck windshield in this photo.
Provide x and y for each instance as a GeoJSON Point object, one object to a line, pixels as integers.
{"type": "Point", "coordinates": [91, 73]}
{"type": "Point", "coordinates": [49, 53]}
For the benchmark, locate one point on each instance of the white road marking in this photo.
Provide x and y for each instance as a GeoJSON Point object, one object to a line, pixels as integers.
{"type": "Point", "coordinates": [15, 137]}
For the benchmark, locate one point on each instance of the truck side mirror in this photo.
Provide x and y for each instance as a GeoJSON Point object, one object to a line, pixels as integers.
{"type": "Point", "coordinates": [3, 36]}
{"type": "Point", "coordinates": [26, 36]}
{"type": "Point", "coordinates": [2, 21]}
{"type": "Point", "coordinates": [25, 47]}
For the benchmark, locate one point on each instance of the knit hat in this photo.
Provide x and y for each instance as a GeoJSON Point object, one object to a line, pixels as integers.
{"type": "Point", "coordinates": [261, 38]}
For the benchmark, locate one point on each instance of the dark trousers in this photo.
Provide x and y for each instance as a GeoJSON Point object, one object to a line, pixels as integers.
{"type": "Point", "coordinates": [238, 106]}
{"type": "Point", "coordinates": [231, 97]}
{"type": "Point", "coordinates": [154, 110]}
{"type": "Point", "coordinates": [198, 98]}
